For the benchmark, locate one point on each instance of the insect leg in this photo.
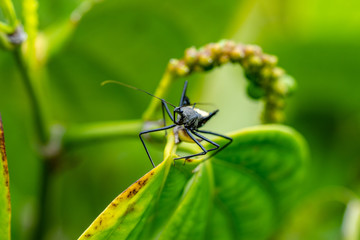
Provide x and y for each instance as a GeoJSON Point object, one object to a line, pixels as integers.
{"type": "Point", "coordinates": [163, 108]}
{"type": "Point", "coordinates": [183, 95]}
{"type": "Point", "coordinates": [149, 131]}
{"type": "Point", "coordinates": [197, 142]}
{"type": "Point", "coordinates": [207, 140]}
{"type": "Point", "coordinates": [163, 114]}
{"type": "Point", "coordinates": [164, 105]}
{"type": "Point", "coordinates": [219, 135]}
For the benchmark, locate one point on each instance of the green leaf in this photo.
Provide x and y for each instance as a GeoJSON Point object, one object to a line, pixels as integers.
{"type": "Point", "coordinates": [5, 212]}
{"type": "Point", "coordinates": [241, 193]}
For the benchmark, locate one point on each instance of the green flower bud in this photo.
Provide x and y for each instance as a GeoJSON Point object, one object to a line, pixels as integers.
{"type": "Point", "coordinates": [223, 59]}
{"type": "Point", "coordinates": [182, 69]}
{"type": "Point", "coordinates": [266, 72]}
{"type": "Point", "coordinates": [277, 116]}
{"type": "Point", "coordinates": [255, 61]}
{"type": "Point", "coordinates": [198, 68]}
{"type": "Point", "coordinates": [173, 65]}
{"type": "Point", "coordinates": [237, 53]}
{"type": "Point", "coordinates": [272, 98]}
{"type": "Point", "coordinates": [270, 60]}
{"type": "Point", "coordinates": [285, 85]}
{"type": "Point", "coordinates": [290, 83]}
{"type": "Point", "coordinates": [277, 72]}
{"type": "Point", "coordinates": [214, 49]}
{"type": "Point", "coordinates": [190, 56]}
{"type": "Point", "coordinates": [254, 91]}
{"type": "Point", "coordinates": [228, 47]}
{"type": "Point", "coordinates": [252, 49]}
{"type": "Point", "coordinates": [274, 116]}
{"type": "Point", "coordinates": [205, 58]}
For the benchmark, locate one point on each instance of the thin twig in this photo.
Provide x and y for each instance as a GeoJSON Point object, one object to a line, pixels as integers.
{"type": "Point", "coordinates": [42, 132]}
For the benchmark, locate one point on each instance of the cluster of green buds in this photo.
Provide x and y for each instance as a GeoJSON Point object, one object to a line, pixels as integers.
{"type": "Point", "coordinates": [266, 81]}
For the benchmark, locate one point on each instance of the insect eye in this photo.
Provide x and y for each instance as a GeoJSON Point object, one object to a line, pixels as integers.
{"type": "Point", "coordinates": [178, 110]}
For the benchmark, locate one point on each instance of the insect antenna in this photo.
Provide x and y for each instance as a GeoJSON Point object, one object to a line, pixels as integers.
{"type": "Point", "coordinates": [135, 88]}
{"type": "Point", "coordinates": [205, 104]}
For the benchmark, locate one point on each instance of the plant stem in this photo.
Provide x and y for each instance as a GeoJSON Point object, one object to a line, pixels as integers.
{"type": "Point", "coordinates": [43, 137]}
{"type": "Point", "coordinates": [170, 147]}
{"type": "Point", "coordinates": [4, 42]}
{"type": "Point", "coordinates": [42, 131]}
{"type": "Point", "coordinates": [7, 8]}
{"type": "Point", "coordinates": [9, 12]}
{"type": "Point", "coordinates": [102, 130]}
{"type": "Point", "coordinates": [5, 28]}
{"type": "Point", "coordinates": [42, 202]}
{"type": "Point", "coordinates": [30, 8]}
{"type": "Point", "coordinates": [58, 35]}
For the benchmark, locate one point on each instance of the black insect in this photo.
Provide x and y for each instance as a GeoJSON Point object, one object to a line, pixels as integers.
{"type": "Point", "coordinates": [186, 123]}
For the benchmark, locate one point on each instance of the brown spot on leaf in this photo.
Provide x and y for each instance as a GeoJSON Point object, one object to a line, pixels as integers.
{"type": "Point", "coordinates": [88, 235]}
{"type": "Point", "coordinates": [118, 198]}
{"type": "Point", "coordinates": [4, 162]}
{"type": "Point", "coordinates": [132, 192]}
{"type": "Point", "coordinates": [135, 188]}
{"type": "Point", "coordinates": [141, 182]}
{"type": "Point", "coordinates": [114, 204]}
{"type": "Point", "coordinates": [129, 209]}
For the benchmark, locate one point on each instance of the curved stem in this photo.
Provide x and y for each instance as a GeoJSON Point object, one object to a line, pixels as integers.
{"type": "Point", "coordinates": [267, 81]}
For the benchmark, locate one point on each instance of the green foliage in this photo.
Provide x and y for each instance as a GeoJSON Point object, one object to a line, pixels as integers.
{"type": "Point", "coordinates": [132, 41]}
{"type": "Point", "coordinates": [251, 184]}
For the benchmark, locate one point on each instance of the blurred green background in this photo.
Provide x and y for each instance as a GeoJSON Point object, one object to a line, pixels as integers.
{"type": "Point", "coordinates": [317, 42]}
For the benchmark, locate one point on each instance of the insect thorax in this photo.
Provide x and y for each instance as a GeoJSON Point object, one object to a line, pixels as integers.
{"type": "Point", "coordinates": [191, 117]}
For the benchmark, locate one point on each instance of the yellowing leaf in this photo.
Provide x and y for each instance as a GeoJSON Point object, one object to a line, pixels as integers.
{"type": "Point", "coordinates": [5, 212]}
